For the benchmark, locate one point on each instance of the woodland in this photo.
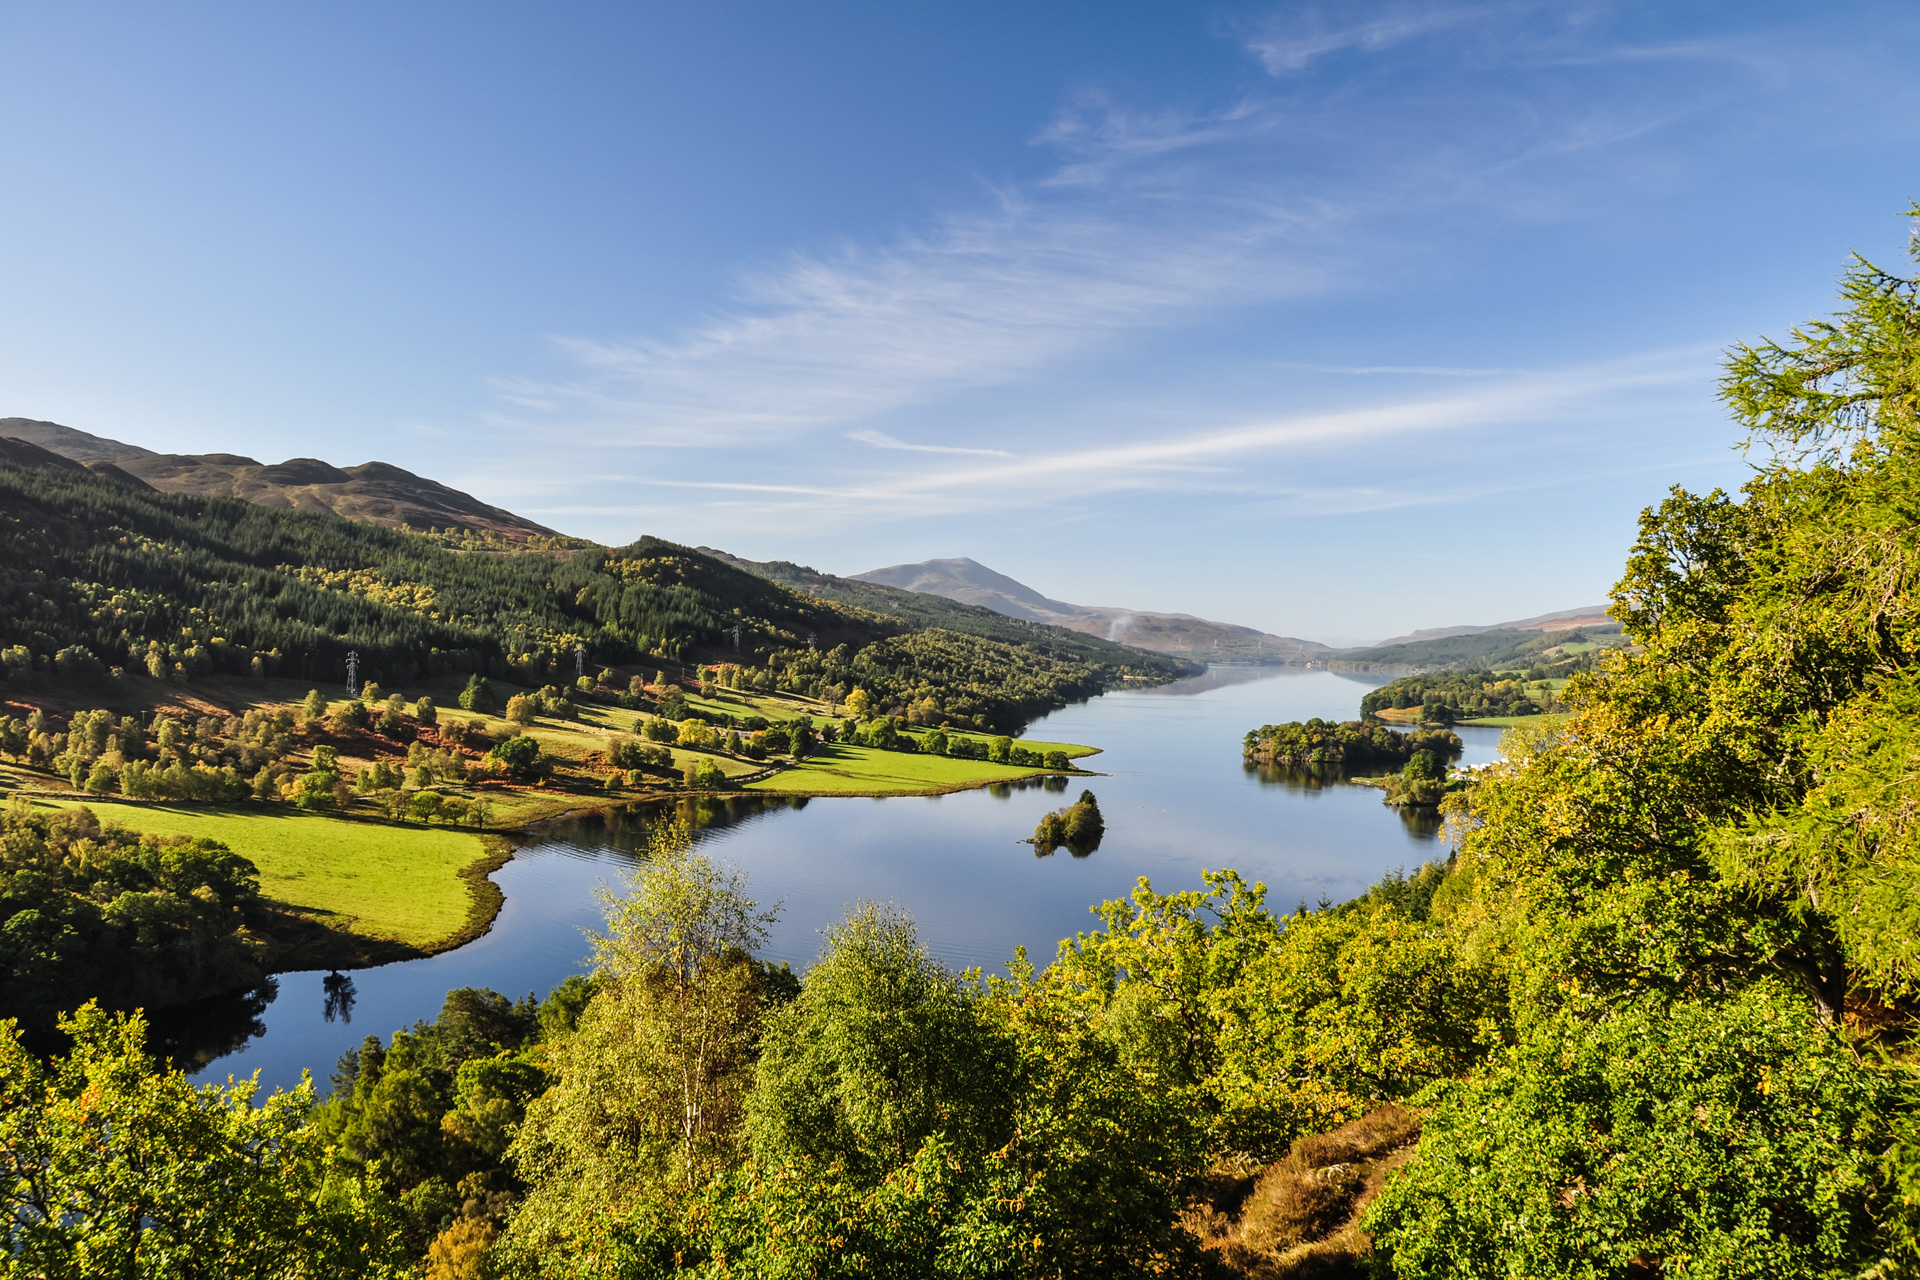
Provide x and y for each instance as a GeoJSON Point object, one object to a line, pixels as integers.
{"type": "Point", "coordinates": [1652, 1016]}
{"type": "Point", "coordinates": [98, 580]}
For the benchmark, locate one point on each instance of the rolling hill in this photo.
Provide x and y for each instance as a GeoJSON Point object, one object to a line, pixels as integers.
{"type": "Point", "coordinates": [374, 492]}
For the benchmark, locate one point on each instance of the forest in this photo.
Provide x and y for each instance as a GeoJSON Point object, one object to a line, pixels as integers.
{"type": "Point", "coordinates": [1652, 1016]}
{"type": "Point", "coordinates": [1460, 695]}
{"type": "Point", "coordinates": [1336, 746]}
{"type": "Point", "coordinates": [100, 581]}
{"type": "Point", "coordinates": [1538, 655]}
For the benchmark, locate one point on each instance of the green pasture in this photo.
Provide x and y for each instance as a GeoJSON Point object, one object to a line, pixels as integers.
{"type": "Point", "coordinates": [1508, 722]}
{"type": "Point", "coordinates": [841, 767]}
{"type": "Point", "coordinates": [380, 881]}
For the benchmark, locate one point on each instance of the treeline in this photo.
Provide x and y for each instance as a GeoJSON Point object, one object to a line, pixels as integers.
{"type": "Point", "coordinates": [1354, 744]}
{"type": "Point", "coordinates": [100, 582]}
{"type": "Point", "coordinates": [1531, 652]}
{"type": "Point", "coordinates": [1463, 695]}
{"type": "Point", "coordinates": [95, 911]}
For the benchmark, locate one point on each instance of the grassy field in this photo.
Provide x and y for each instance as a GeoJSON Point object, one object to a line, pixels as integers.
{"type": "Point", "coordinates": [850, 769]}
{"type": "Point", "coordinates": [380, 881]}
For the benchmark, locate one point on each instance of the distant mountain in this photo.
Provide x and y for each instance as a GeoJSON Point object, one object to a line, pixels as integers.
{"type": "Point", "coordinates": [925, 610]}
{"type": "Point", "coordinates": [1179, 634]}
{"type": "Point", "coordinates": [1594, 615]}
{"type": "Point", "coordinates": [373, 492]}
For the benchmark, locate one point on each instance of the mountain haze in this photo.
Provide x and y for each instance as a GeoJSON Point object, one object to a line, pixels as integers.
{"type": "Point", "coordinates": [1179, 634]}
{"type": "Point", "coordinates": [374, 492]}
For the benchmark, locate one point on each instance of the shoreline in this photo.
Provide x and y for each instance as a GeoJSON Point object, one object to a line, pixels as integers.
{"type": "Point", "coordinates": [301, 939]}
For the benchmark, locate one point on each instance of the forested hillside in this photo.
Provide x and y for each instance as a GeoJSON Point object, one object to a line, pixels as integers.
{"type": "Point", "coordinates": [1540, 654]}
{"type": "Point", "coordinates": [97, 575]}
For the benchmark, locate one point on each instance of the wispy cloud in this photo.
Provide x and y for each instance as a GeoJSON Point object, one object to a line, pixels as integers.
{"type": "Point", "coordinates": [982, 299]}
{"type": "Point", "coordinates": [881, 440]}
{"type": "Point", "coordinates": [1253, 460]}
{"type": "Point", "coordinates": [1291, 41]}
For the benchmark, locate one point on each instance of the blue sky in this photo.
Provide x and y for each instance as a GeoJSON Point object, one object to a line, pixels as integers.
{"type": "Point", "coordinates": [1335, 320]}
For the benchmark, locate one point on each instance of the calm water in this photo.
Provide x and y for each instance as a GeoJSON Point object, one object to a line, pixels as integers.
{"type": "Point", "coordinates": [1176, 799]}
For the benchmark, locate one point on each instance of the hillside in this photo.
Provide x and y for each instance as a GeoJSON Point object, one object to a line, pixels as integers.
{"type": "Point", "coordinates": [1593, 615]}
{"type": "Point", "coordinates": [1496, 648]}
{"type": "Point", "coordinates": [375, 492]}
{"type": "Point", "coordinates": [96, 575]}
{"type": "Point", "coordinates": [1179, 634]}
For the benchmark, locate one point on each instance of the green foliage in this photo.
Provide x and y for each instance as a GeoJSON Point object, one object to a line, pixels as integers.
{"type": "Point", "coordinates": [882, 1050]}
{"type": "Point", "coordinates": [1730, 1139]}
{"type": "Point", "coordinates": [478, 696]}
{"type": "Point", "coordinates": [649, 1085]}
{"type": "Point", "coordinates": [518, 755]}
{"type": "Point", "coordinates": [1466, 695]}
{"type": "Point", "coordinates": [92, 911]}
{"type": "Point", "coordinates": [117, 1166]}
{"type": "Point", "coordinates": [1540, 654]}
{"type": "Point", "coordinates": [1356, 744]}
{"type": "Point", "coordinates": [427, 1117]}
{"type": "Point", "coordinates": [704, 774]}
{"type": "Point", "coordinates": [1079, 827]}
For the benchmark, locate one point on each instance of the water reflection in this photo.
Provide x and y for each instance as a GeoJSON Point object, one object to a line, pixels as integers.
{"type": "Point", "coordinates": [339, 997]}
{"type": "Point", "coordinates": [194, 1035]}
{"type": "Point", "coordinates": [1422, 822]}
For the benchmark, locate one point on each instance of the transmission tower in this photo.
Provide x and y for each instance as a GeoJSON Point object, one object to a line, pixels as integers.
{"type": "Point", "coordinates": [580, 660]}
{"type": "Point", "coordinates": [353, 673]}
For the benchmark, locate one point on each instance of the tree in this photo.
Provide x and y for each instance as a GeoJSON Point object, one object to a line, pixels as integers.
{"type": "Point", "coordinates": [859, 703]}
{"type": "Point", "coordinates": [882, 1050]}
{"type": "Point", "coordinates": [478, 695]}
{"type": "Point", "coordinates": [520, 709]}
{"type": "Point", "coordinates": [116, 1166]}
{"type": "Point", "coordinates": [313, 708]}
{"type": "Point", "coordinates": [704, 774]}
{"type": "Point", "coordinates": [425, 712]}
{"type": "Point", "coordinates": [1079, 827]}
{"type": "Point", "coordinates": [648, 1090]}
{"type": "Point", "coordinates": [520, 755]}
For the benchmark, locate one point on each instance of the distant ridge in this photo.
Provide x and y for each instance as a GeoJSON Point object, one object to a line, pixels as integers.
{"type": "Point", "coordinates": [1179, 634]}
{"type": "Point", "coordinates": [1593, 615]}
{"type": "Point", "coordinates": [374, 492]}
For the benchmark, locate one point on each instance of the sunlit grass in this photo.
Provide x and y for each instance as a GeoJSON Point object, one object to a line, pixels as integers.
{"type": "Point", "coordinates": [381, 880]}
